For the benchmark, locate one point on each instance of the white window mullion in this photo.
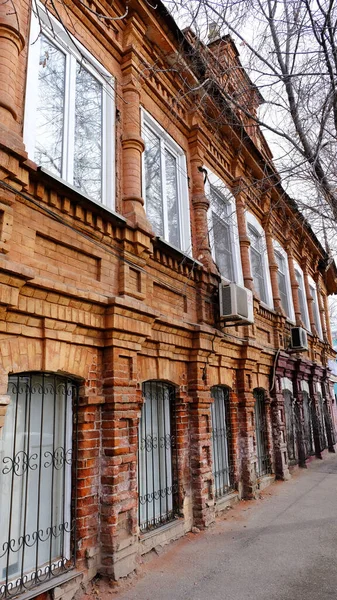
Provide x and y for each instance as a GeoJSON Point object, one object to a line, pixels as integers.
{"type": "Point", "coordinates": [69, 121]}
{"type": "Point", "coordinates": [108, 138]}
{"type": "Point", "coordinates": [163, 189]}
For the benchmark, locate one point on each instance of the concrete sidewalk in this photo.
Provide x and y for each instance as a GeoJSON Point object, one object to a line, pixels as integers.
{"type": "Point", "coordinates": [283, 546]}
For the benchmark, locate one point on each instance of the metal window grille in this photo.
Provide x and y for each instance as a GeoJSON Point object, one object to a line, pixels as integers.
{"type": "Point", "coordinates": [308, 427]}
{"type": "Point", "coordinates": [330, 430]}
{"type": "Point", "coordinates": [321, 423]}
{"type": "Point", "coordinates": [263, 458]}
{"type": "Point", "coordinates": [221, 434]}
{"type": "Point", "coordinates": [290, 424]}
{"type": "Point", "coordinates": [37, 460]}
{"type": "Point", "coordinates": [158, 472]}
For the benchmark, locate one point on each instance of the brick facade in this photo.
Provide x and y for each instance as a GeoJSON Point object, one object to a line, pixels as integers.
{"type": "Point", "coordinates": [93, 294]}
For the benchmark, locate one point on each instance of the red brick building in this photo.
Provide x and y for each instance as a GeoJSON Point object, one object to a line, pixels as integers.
{"type": "Point", "coordinates": [136, 399]}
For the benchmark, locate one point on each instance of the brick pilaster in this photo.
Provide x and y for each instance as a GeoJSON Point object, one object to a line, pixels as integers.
{"type": "Point", "coordinates": [119, 494]}
{"type": "Point", "coordinates": [243, 236]}
{"type": "Point", "coordinates": [200, 449]}
{"type": "Point", "coordinates": [294, 288]}
{"type": "Point", "coordinates": [200, 202]}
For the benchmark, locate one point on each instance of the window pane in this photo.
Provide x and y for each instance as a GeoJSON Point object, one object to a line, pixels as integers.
{"type": "Point", "coordinates": [88, 134]}
{"type": "Point", "coordinates": [258, 273]}
{"type": "Point", "coordinates": [35, 475]}
{"type": "Point", "coordinates": [257, 263]}
{"type": "Point", "coordinates": [172, 198]}
{"type": "Point", "coordinates": [50, 108]}
{"type": "Point", "coordinates": [153, 182]}
{"type": "Point", "coordinates": [222, 247]}
{"type": "Point", "coordinates": [157, 486]}
{"type": "Point", "coordinates": [221, 234]}
{"type": "Point", "coordinates": [282, 286]}
{"type": "Point", "coordinates": [301, 300]}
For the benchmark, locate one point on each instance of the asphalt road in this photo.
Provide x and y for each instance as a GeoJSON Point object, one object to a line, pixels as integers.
{"type": "Point", "coordinates": [280, 547]}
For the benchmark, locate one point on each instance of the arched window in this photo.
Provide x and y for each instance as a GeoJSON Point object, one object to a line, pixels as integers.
{"type": "Point", "coordinates": [36, 455]}
{"type": "Point", "coordinates": [158, 482]}
{"type": "Point", "coordinates": [263, 466]}
{"type": "Point", "coordinates": [221, 432]}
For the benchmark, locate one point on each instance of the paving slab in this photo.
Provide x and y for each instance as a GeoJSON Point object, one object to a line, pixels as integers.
{"type": "Point", "coordinates": [280, 547]}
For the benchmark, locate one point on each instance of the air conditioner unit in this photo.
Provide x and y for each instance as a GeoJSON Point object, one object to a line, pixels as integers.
{"type": "Point", "coordinates": [299, 339]}
{"type": "Point", "coordinates": [236, 303]}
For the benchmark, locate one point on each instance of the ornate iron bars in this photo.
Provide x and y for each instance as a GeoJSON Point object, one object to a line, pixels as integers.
{"type": "Point", "coordinates": [221, 434]}
{"type": "Point", "coordinates": [321, 422]}
{"type": "Point", "coordinates": [37, 456]}
{"type": "Point", "coordinates": [263, 459]}
{"type": "Point", "coordinates": [308, 425]}
{"type": "Point", "coordinates": [290, 424]}
{"type": "Point", "coordinates": [158, 468]}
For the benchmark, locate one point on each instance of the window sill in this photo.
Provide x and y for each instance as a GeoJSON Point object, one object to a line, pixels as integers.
{"type": "Point", "coordinates": [50, 584]}
{"type": "Point", "coordinates": [160, 243]}
{"type": "Point", "coordinates": [67, 188]}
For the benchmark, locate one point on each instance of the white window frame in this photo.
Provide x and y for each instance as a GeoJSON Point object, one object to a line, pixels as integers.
{"type": "Point", "coordinates": [221, 189]}
{"type": "Point", "coordinates": [252, 220]}
{"type": "Point", "coordinates": [315, 306]}
{"type": "Point", "coordinates": [305, 317]}
{"type": "Point", "coordinates": [166, 141]}
{"type": "Point", "coordinates": [278, 248]}
{"type": "Point", "coordinates": [42, 22]}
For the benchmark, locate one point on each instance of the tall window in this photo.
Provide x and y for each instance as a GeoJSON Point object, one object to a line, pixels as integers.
{"type": "Point", "coordinates": [302, 297]}
{"type": "Point", "coordinates": [158, 484]}
{"type": "Point", "coordinates": [223, 229]}
{"type": "Point", "coordinates": [36, 454]}
{"type": "Point", "coordinates": [257, 262]}
{"type": "Point", "coordinates": [221, 234]}
{"type": "Point", "coordinates": [221, 432]}
{"type": "Point", "coordinates": [69, 114]}
{"type": "Point", "coordinates": [263, 466]}
{"type": "Point", "coordinates": [165, 185]}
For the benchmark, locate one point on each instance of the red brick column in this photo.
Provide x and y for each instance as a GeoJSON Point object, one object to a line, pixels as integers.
{"type": "Point", "coordinates": [132, 142]}
{"type": "Point", "coordinates": [88, 485]}
{"type": "Point", "coordinates": [246, 443]}
{"type": "Point", "coordinates": [273, 268]}
{"type": "Point", "coordinates": [321, 306]}
{"type": "Point", "coordinates": [243, 235]}
{"type": "Point", "coordinates": [119, 496]}
{"type": "Point", "coordinates": [200, 449]}
{"type": "Point", "coordinates": [200, 202]}
{"type": "Point", "coordinates": [309, 297]}
{"type": "Point", "coordinates": [11, 44]}
{"type": "Point", "coordinates": [327, 318]}
{"type": "Point", "coordinates": [294, 288]}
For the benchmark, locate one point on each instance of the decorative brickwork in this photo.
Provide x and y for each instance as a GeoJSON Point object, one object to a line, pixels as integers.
{"type": "Point", "coordinates": [92, 294]}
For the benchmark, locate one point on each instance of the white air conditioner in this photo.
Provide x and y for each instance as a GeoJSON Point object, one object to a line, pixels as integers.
{"type": "Point", "coordinates": [299, 339]}
{"type": "Point", "coordinates": [236, 303]}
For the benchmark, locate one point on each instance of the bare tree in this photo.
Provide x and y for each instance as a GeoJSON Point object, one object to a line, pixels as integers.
{"type": "Point", "coordinates": [289, 50]}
